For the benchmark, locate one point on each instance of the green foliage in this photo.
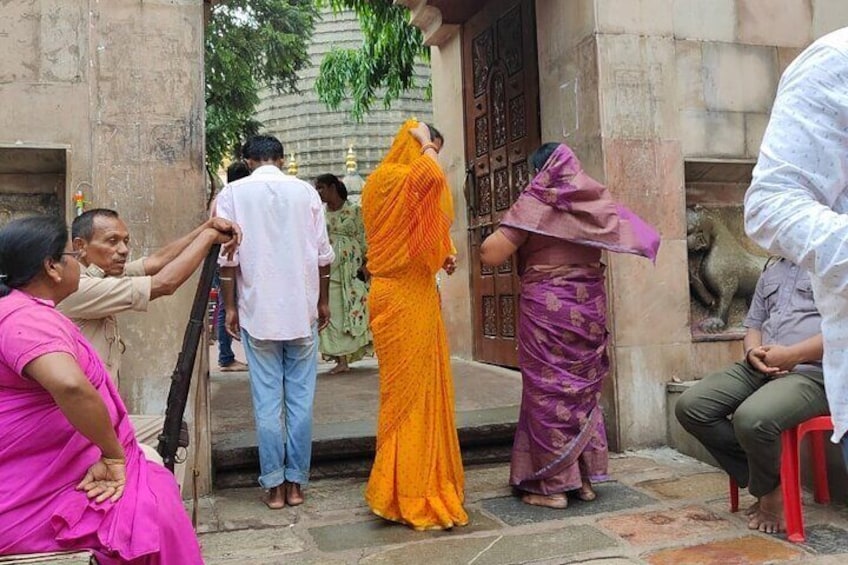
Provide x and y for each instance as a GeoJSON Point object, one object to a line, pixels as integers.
{"type": "Point", "coordinates": [382, 68]}
{"type": "Point", "coordinates": [250, 44]}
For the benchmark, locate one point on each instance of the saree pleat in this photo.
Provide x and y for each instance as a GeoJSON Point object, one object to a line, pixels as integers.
{"type": "Point", "coordinates": [417, 477]}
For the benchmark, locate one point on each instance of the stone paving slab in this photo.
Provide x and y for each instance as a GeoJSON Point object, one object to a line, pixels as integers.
{"type": "Point", "coordinates": [664, 526]}
{"type": "Point", "coordinates": [702, 485]}
{"type": "Point", "coordinates": [747, 550]}
{"type": "Point", "coordinates": [826, 539]}
{"type": "Point", "coordinates": [244, 546]}
{"type": "Point", "coordinates": [377, 532]}
{"type": "Point", "coordinates": [501, 550]}
{"type": "Point", "coordinates": [612, 497]}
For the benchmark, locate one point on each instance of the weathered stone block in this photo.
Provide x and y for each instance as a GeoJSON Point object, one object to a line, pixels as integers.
{"type": "Point", "coordinates": [641, 17]}
{"type": "Point", "coordinates": [711, 21]}
{"type": "Point", "coordinates": [774, 22]}
{"type": "Point", "coordinates": [828, 15]}
{"type": "Point", "coordinates": [739, 78]}
{"type": "Point", "coordinates": [712, 134]}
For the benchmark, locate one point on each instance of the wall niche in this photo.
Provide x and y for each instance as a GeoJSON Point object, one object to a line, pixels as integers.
{"type": "Point", "coordinates": [33, 180]}
{"type": "Point", "coordinates": [724, 264]}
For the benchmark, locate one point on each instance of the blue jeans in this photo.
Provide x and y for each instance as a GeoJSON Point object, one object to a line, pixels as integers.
{"type": "Point", "coordinates": [225, 341]}
{"type": "Point", "coordinates": [283, 373]}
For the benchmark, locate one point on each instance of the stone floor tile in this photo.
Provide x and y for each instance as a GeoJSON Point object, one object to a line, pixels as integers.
{"type": "Point", "coordinates": [373, 533]}
{"type": "Point", "coordinates": [648, 528]}
{"type": "Point", "coordinates": [747, 550]}
{"type": "Point", "coordinates": [501, 550]}
{"type": "Point", "coordinates": [624, 465]}
{"type": "Point", "coordinates": [242, 508]}
{"type": "Point", "coordinates": [702, 485]}
{"type": "Point", "coordinates": [607, 561]}
{"type": "Point", "coordinates": [207, 519]}
{"type": "Point", "coordinates": [826, 539]}
{"type": "Point", "coordinates": [612, 497]}
{"type": "Point", "coordinates": [443, 552]}
{"type": "Point", "coordinates": [251, 546]}
{"type": "Point", "coordinates": [335, 494]}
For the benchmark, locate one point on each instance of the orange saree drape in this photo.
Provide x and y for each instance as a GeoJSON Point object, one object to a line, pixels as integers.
{"type": "Point", "coordinates": [417, 477]}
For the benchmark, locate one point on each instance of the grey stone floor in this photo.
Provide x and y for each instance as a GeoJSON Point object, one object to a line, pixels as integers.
{"type": "Point", "coordinates": [661, 508]}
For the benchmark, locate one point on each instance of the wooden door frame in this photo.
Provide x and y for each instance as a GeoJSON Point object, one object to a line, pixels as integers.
{"type": "Point", "coordinates": [491, 14]}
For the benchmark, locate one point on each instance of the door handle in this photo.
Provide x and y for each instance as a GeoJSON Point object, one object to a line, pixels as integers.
{"type": "Point", "coordinates": [470, 189]}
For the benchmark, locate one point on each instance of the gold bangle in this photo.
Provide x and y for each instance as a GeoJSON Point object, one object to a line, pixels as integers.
{"type": "Point", "coordinates": [429, 145]}
{"type": "Point", "coordinates": [225, 278]}
{"type": "Point", "coordinates": [108, 461]}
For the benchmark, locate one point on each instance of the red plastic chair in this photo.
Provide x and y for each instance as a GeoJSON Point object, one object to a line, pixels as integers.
{"type": "Point", "coordinates": [790, 474]}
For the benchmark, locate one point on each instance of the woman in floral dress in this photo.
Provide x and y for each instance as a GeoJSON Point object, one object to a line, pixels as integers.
{"type": "Point", "coordinates": [347, 338]}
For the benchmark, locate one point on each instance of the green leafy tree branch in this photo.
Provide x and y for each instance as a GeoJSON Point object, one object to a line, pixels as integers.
{"type": "Point", "coordinates": [382, 69]}
{"type": "Point", "coordinates": [250, 44]}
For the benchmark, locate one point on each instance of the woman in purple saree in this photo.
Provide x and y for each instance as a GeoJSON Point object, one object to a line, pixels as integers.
{"type": "Point", "coordinates": [74, 477]}
{"type": "Point", "coordinates": [559, 225]}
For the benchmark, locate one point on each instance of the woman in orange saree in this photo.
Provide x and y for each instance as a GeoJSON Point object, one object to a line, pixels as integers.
{"type": "Point", "coordinates": [417, 477]}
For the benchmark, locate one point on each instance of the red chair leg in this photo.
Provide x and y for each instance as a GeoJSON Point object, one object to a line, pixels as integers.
{"type": "Point", "coordinates": [790, 482]}
{"type": "Point", "coordinates": [822, 490]}
{"type": "Point", "coordinates": [734, 495]}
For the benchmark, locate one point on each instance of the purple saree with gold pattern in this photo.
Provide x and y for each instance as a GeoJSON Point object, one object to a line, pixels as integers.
{"type": "Point", "coordinates": [562, 335]}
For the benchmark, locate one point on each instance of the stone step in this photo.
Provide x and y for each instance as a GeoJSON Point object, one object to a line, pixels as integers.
{"type": "Point", "coordinates": [485, 438]}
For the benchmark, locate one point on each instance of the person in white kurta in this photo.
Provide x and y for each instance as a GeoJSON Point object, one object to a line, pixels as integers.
{"type": "Point", "coordinates": [797, 204]}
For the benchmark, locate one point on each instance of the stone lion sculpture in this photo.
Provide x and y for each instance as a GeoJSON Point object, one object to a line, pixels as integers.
{"type": "Point", "coordinates": [720, 269]}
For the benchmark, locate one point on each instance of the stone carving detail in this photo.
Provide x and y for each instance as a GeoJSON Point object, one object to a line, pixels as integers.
{"type": "Point", "coordinates": [517, 125]}
{"type": "Point", "coordinates": [498, 101]}
{"type": "Point", "coordinates": [502, 200]}
{"type": "Point", "coordinates": [490, 322]}
{"type": "Point", "coordinates": [505, 267]}
{"type": "Point", "coordinates": [509, 40]}
{"type": "Point", "coordinates": [481, 135]}
{"type": "Point", "coordinates": [483, 55]}
{"type": "Point", "coordinates": [720, 268]}
{"type": "Point", "coordinates": [485, 231]}
{"type": "Point", "coordinates": [520, 177]}
{"type": "Point", "coordinates": [507, 315]}
{"type": "Point", "coordinates": [484, 195]}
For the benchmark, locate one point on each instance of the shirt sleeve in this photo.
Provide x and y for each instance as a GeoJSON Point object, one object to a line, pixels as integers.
{"type": "Point", "coordinates": [225, 208]}
{"type": "Point", "coordinates": [33, 332]}
{"type": "Point", "coordinates": [97, 298]}
{"type": "Point", "coordinates": [757, 313]}
{"type": "Point", "coordinates": [803, 169]}
{"type": "Point", "coordinates": [135, 268]}
{"type": "Point", "coordinates": [326, 255]}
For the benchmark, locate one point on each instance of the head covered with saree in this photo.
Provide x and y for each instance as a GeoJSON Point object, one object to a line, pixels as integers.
{"type": "Point", "coordinates": [562, 201]}
{"type": "Point", "coordinates": [407, 208]}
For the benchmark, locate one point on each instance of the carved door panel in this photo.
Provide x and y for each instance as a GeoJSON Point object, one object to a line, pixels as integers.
{"type": "Point", "coordinates": [501, 97]}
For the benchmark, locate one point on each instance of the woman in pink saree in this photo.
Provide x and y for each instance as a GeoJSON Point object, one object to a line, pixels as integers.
{"type": "Point", "coordinates": [559, 225]}
{"type": "Point", "coordinates": [74, 476]}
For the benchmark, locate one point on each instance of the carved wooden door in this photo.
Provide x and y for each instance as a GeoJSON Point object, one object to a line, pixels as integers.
{"type": "Point", "coordinates": [501, 96]}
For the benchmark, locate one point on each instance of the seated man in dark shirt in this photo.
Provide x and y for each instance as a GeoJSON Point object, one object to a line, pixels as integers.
{"type": "Point", "coordinates": [776, 387]}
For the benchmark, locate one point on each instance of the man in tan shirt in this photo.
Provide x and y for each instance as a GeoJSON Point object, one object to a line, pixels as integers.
{"type": "Point", "coordinates": [110, 285]}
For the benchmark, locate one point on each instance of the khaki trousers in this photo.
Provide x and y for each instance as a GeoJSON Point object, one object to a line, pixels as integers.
{"type": "Point", "coordinates": [747, 446]}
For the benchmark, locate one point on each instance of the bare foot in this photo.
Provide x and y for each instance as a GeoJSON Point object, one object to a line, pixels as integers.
{"type": "Point", "coordinates": [769, 516]}
{"type": "Point", "coordinates": [275, 499]}
{"type": "Point", "coordinates": [341, 366]}
{"type": "Point", "coordinates": [294, 495]}
{"type": "Point", "coordinates": [585, 492]}
{"type": "Point", "coordinates": [235, 366]}
{"type": "Point", "coordinates": [753, 509]}
{"type": "Point", "coordinates": [558, 501]}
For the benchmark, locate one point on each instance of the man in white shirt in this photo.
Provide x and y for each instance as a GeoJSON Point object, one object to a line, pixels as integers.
{"type": "Point", "coordinates": [797, 205]}
{"type": "Point", "coordinates": [283, 271]}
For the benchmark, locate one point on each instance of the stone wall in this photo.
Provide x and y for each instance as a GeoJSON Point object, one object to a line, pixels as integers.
{"type": "Point", "coordinates": [320, 137]}
{"type": "Point", "coordinates": [118, 86]}
{"type": "Point", "coordinates": [638, 88]}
